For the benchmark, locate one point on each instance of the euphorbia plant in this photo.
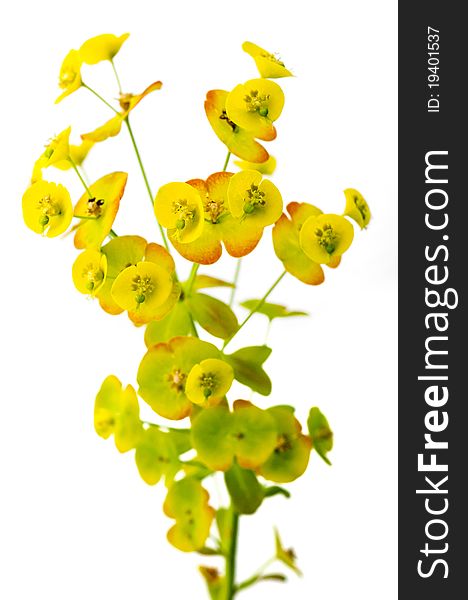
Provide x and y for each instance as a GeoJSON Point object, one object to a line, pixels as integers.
{"type": "Point", "coordinates": [183, 378]}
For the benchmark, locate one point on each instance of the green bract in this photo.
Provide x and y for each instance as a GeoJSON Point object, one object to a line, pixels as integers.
{"type": "Point", "coordinates": [248, 434]}
{"type": "Point", "coordinates": [291, 455]}
{"type": "Point", "coordinates": [163, 373]}
{"type": "Point", "coordinates": [156, 456]}
{"type": "Point", "coordinates": [320, 432]}
{"type": "Point", "coordinates": [116, 411]}
{"type": "Point", "coordinates": [187, 503]}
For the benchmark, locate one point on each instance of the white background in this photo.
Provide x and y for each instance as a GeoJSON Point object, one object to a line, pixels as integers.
{"type": "Point", "coordinates": [76, 521]}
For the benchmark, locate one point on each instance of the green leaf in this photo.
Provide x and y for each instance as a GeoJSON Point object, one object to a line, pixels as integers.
{"type": "Point", "coordinates": [275, 490]}
{"type": "Point", "coordinates": [247, 364]}
{"type": "Point", "coordinates": [177, 322]}
{"type": "Point", "coordinates": [320, 432]}
{"type": "Point", "coordinates": [181, 440]}
{"type": "Point", "coordinates": [206, 281]}
{"type": "Point", "coordinates": [272, 311]}
{"type": "Point", "coordinates": [156, 456]}
{"type": "Point", "coordinates": [246, 492]}
{"type": "Point", "coordinates": [213, 315]}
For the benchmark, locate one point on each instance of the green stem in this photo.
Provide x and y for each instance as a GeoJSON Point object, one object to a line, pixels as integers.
{"type": "Point", "coordinates": [191, 279]}
{"type": "Point", "coordinates": [235, 280]}
{"type": "Point", "coordinates": [193, 326]}
{"type": "Point", "coordinates": [259, 305]}
{"type": "Point", "coordinates": [226, 162]}
{"type": "Point", "coordinates": [145, 178]}
{"type": "Point", "coordinates": [231, 556]}
{"type": "Point", "coordinates": [112, 234]}
{"type": "Point", "coordinates": [75, 168]}
{"type": "Point", "coordinates": [100, 98]}
{"type": "Point", "coordinates": [116, 76]}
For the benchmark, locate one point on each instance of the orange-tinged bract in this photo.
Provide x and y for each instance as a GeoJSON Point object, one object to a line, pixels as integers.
{"type": "Point", "coordinates": [238, 140]}
{"type": "Point", "coordinates": [112, 127]}
{"type": "Point", "coordinates": [288, 249]}
{"type": "Point", "coordinates": [97, 210]}
{"type": "Point", "coordinates": [240, 236]}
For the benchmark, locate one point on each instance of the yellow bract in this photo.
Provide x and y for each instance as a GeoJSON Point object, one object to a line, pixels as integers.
{"type": "Point", "coordinates": [255, 105]}
{"type": "Point", "coordinates": [70, 74]}
{"type": "Point", "coordinates": [209, 381]}
{"type": "Point", "coordinates": [142, 288]}
{"type": "Point", "coordinates": [256, 200]}
{"type": "Point", "coordinates": [98, 210]}
{"type": "Point", "coordinates": [178, 206]}
{"type": "Point", "coordinates": [57, 150]}
{"type": "Point", "coordinates": [325, 237]}
{"type": "Point", "coordinates": [357, 208]}
{"type": "Point", "coordinates": [116, 411]}
{"type": "Point", "coordinates": [101, 47]}
{"type": "Point", "coordinates": [89, 271]}
{"type": "Point", "coordinates": [112, 127]}
{"type": "Point", "coordinates": [47, 208]}
{"type": "Point", "coordinates": [268, 64]}
{"type": "Point", "coordinates": [78, 153]}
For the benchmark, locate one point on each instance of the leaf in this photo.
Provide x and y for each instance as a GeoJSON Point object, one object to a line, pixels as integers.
{"type": "Point", "coordinates": [247, 364]}
{"type": "Point", "coordinates": [206, 281]}
{"type": "Point", "coordinates": [275, 490]}
{"type": "Point", "coordinates": [246, 492]}
{"type": "Point", "coordinates": [320, 432]}
{"type": "Point", "coordinates": [214, 581]}
{"type": "Point", "coordinates": [177, 322]}
{"type": "Point", "coordinates": [272, 311]}
{"type": "Point", "coordinates": [213, 315]}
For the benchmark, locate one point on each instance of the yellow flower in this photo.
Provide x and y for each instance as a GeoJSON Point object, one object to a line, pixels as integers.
{"type": "Point", "coordinates": [89, 271]}
{"type": "Point", "coordinates": [325, 237]}
{"type": "Point", "coordinates": [357, 208]}
{"type": "Point", "coordinates": [268, 64]}
{"type": "Point", "coordinates": [238, 141]}
{"type": "Point", "coordinates": [123, 252]}
{"type": "Point", "coordinates": [142, 284]}
{"type": "Point", "coordinates": [178, 206]}
{"type": "Point", "coordinates": [70, 74]}
{"type": "Point", "coordinates": [101, 47]}
{"type": "Point", "coordinates": [57, 150]}
{"type": "Point", "coordinates": [256, 200]}
{"type": "Point", "coordinates": [47, 208]}
{"type": "Point", "coordinates": [286, 233]}
{"type": "Point", "coordinates": [255, 105]}
{"type": "Point", "coordinates": [209, 381]}
{"type": "Point", "coordinates": [266, 168]}
{"type": "Point", "coordinates": [240, 236]}
{"type": "Point", "coordinates": [112, 127]}
{"type": "Point", "coordinates": [98, 211]}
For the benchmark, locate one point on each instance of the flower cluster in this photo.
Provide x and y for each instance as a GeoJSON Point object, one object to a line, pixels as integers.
{"type": "Point", "coordinates": [181, 377]}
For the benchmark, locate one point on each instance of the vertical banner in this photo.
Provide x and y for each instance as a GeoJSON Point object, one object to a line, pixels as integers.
{"type": "Point", "coordinates": [433, 356]}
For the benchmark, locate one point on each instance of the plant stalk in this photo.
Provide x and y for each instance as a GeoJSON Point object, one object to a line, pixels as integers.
{"type": "Point", "coordinates": [231, 556]}
{"type": "Point", "coordinates": [254, 309]}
